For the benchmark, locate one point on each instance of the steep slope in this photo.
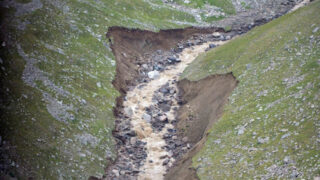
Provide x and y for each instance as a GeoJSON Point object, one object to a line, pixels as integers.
{"type": "Point", "coordinates": [56, 93]}
{"type": "Point", "coordinates": [270, 126]}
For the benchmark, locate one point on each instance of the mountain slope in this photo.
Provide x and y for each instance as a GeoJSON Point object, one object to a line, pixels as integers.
{"type": "Point", "coordinates": [270, 127]}
{"type": "Point", "coordinates": [56, 93]}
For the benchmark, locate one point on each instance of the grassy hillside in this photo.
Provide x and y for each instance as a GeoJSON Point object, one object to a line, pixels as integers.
{"type": "Point", "coordinates": [56, 73]}
{"type": "Point", "coordinates": [270, 127]}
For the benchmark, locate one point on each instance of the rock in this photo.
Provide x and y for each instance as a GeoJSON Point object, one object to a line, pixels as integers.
{"type": "Point", "coordinates": [188, 44]}
{"type": "Point", "coordinates": [82, 155]}
{"type": "Point", "coordinates": [128, 111]}
{"type": "Point", "coordinates": [216, 35]}
{"type": "Point", "coordinates": [163, 118]}
{"type": "Point", "coordinates": [294, 174]}
{"type": "Point", "coordinates": [116, 172]}
{"type": "Point", "coordinates": [83, 101]}
{"type": "Point", "coordinates": [178, 49]}
{"type": "Point", "coordinates": [159, 51]}
{"type": "Point", "coordinates": [146, 117]}
{"type": "Point", "coordinates": [145, 66]}
{"type": "Point", "coordinates": [166, 136]}
{"type": "Point", "coordinates": [157, 67]}
{"type": "Point", "coordinates": [153, 74]}
{"type": "Point", "coordinates": [263, 140]}
{"type": "Point", "coordinates": [164, 107]}
{"type": "Point", "coordinates": [162, 157]}
{"type": "Point", "coordinates": [254, 134]}
{"type": "Point", "coordinates": [218, 141]}
{"type": "Point", "coordinates": [286, 47]}
{"type": "Point", "coordinates": [286, 160]}
{"type": "Point", "coordinates": [170, 153]}
{"type": "Point", "coordinates": [252, 149]}
{"type": "Point", "coordinates": [315, 30]}
{"type": "Point", "coordinates": [131, 133]}
{"type": "Point", "coordinates": [165, 162]}
{"type": "Point", "coordinates": [212, 46]}
{"type": "Point", "coordinates": [133, 140]}
{"type": "Point", "coordinates": [185, 139]}
{"type": "Point", "coordinates": [241, 130]}
{"type": "Point", "coordinates": [165, 89]}
{"type": "Point", "coordinates": [285, 135]}
{"type": "Point", "coordinates": [173, 60]}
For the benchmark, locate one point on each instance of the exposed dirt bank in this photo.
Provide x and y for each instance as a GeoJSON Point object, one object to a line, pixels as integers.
{"type": "Point", "coordinates": [134, 47]}
{"type": "Point", "coordinates": [203, 103]}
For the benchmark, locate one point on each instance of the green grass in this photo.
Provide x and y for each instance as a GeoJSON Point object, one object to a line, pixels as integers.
{"type": "Point", "coordinates": [267, 105]}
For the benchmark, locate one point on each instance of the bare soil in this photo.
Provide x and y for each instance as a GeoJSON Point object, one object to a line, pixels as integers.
{"type": "Point", "coordinates": [203, 103]}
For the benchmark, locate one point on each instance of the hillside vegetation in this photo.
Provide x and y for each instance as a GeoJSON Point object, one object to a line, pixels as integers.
{"type": "Point", "coordinates": [56, 73]}
{"type": "Point", "coordinates": [270, 126]}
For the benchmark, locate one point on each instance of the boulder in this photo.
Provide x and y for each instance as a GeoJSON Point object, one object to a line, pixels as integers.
{"type": "Point", "coordinates": [145, 66]}
{"type": "Point", "coordinates": [146, 117]}
{"type": "Point", "coordinates": [212, 46]}
{"type": "Point", "coordinates": [153, 74]}
{"type": "Point", "coordinates": [128, 111]}
{"type": "Point", "coordinates": [164, 107]}
{"type": "Point", "coordinates": [315, 30]}
{"type": "Point", "coordinates": [116, 172]}
{"type": "Point", "coordinates": [163, 118]}
{"type": "Point", "coordinates": [173, 60]}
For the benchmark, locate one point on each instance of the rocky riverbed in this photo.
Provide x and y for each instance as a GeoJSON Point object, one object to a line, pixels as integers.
{"type": "Point", "coordinates": [146, 132]}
